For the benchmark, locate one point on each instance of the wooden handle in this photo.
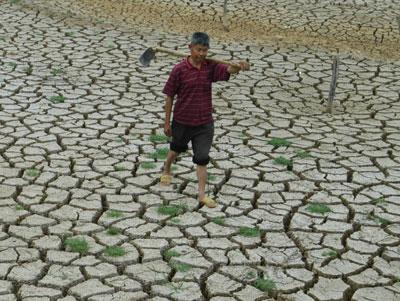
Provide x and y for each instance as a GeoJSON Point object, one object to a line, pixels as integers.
{"type": "Point", "coordinates": [181, 54]}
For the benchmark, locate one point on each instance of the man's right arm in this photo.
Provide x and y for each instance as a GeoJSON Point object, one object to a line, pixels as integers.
{"type": "Point", "coordinates": [168, 110]}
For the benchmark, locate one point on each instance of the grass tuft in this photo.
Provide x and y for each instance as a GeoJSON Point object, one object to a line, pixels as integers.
{"type": "Point", "coordinates": [211, 177]}
{"type": "Point", "coordinates": [175, 220]}
{"type": "Point", "coordinates": [168, 254]}
{"type": "Point", "coordinates": [113, 231]}
{"type": "Point", "coordinates": [218, 220]}
{"type": "Point", "coordinates": [56, 71]}
{"type": "Point", "coordinates": [19, 207]}
{"type": "Point", "coordinates": [28, 70]}
{"type": "Point", "coordinates": [158, 138]}
{"type": "Point", "coordinates": [78, 245]}
{"type": "Point", "coordinates": [171, 210]}
{"type": "Point", "coordinates": [148, 165]}
{"type": "Point", "coordinates": [318, 208]}
{"type": "Point", "coordinates": [180, 267]}
{"type": "Point", "coordinates": [32, 172]}
{"type": "Point", "coordinates": [114, 213]}
{"type": "Point", "coordinates": [277, 142]}
{"type": "Point", "coordinates": [114, 251]}
{"type": "Point", "coordinates": [160, 153]}
{"type": "Point", "coordinates": [330, 253]}
{"type": "Point", "coordinates": [265, 285]}
{"type": "Point", "coordinates": [119, 168]}
{"type": "Point", "coordinates": [249, 232]}
{"type": "Point", "coordinates": [57, 99]}
{"type": "Point", "coordinates": [303, 154]}
{"type": "Point", "coordinates": [378, 201]}
{"type": "Point", "coordinates": [283, 161]}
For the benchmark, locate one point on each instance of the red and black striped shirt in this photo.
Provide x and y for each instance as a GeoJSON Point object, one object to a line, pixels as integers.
{"type": "Point", "coordinates": [192, 86]}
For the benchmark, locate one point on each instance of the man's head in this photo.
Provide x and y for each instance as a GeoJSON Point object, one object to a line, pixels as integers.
{"type": "Point", "coordinates": [200, 38]}
{"type": "Point", "coordinates": [199, 46]}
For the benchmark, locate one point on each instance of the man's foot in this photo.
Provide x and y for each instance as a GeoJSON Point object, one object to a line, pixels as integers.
{"type": "Point", "coordinates": [165, 180]}
{"type": "Point", "coordinates": [209, 202]}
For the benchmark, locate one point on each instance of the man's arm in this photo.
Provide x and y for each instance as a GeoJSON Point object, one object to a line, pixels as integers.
{"type": "Point", "coordinates": [168, 110]}
{"type": "Point", "coordinates": [243, 66]}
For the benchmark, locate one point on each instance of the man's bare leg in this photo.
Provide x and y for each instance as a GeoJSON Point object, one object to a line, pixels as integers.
{"type": "Point", "coordinates": [168, 162]}
{"type": "Point", "coordinates": [202, 178]}
{"type": "Point", "coordinates": [166, 175]}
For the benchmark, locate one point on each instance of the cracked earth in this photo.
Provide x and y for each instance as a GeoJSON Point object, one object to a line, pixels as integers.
{"type": "Point", "coordinates": [308, 201]}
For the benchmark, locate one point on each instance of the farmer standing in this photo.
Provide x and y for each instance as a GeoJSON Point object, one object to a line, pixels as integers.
{"type": "Point", "coordinates": [191, 81]}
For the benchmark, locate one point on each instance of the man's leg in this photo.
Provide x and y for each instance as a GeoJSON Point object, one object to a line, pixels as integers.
{"type": "Point", "coordinates": [168, 162]}
{"type": "Point", "coordinates": [178, 145]}
{"type": "Point", "coordinates": [201, 142]}
{"type": "Point", "coordinates": [202, 178]}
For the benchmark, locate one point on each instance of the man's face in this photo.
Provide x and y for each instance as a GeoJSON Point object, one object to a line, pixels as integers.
{"type": "Point", "coordinates": [198, 52]}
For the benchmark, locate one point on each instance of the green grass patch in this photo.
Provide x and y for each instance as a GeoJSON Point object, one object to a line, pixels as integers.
{"type": "Point", "coordinates": [78, 245]}
{"type": "Point", "coordinates": [160, 153]}
{"type": "Point", "coordinates": [171, 210]}
{"type": "Point", "coordinates": [168, 254]}
{"type": "Point", "coordinates": [330, 253]}
{"type": "Point", "coordinates": [218, 220]}
{"type": "Point", "coordinates": [56, 71]}
{"type": "Point", "coordinates": [277, 142]}
{"type": "Point", "coordinates": [19, 207]}
{"type": "Point", "coordinates": [28, 70]}
{"type": "Point", "coordinates": [211, 177]}
{"type": "Point", "coordinates": [14, 1]}
{"type": "Point", "coordinates": [283, 161]}
{"type": "Point", "coordinates": [12, 64]}
{"type": "Point", "coordinates": [382, 221]}
{"type": "Point", "coordinates": [250, 275]}
{"type": "Point", "coordinates": [175, 220]}
{"type": "Point", "coordinates": [303, 154]}
{"type": "Point", "coordinates": [114, 214]}
{"type": "Point", "coordinates": [148, 165]}
{"type": "Point", "coordinates": [57, 99]}
{"type": "Point", "coordinates": [265, 285]}
{"type": "Point", "coordinates": [378, 201]}
{"type": "Point", "coordinates": [158, 138]}
{"type": "Point", "coordinates": [70, 34]}
{"type": "Point", "coordinates": [113, 231]}
{"type": "Point", "coordinates": [249, 232]}
{"type": "Point", "coordinates": [180, 267]}
{"type": "Point", "coordinates": [32, 173]}
{"type": "Point", "coordinates": [318, 208]}
{"type": "Point", "coordinates": [114, 251]}
{"type": "Point", "coordinates": [119, 168]}
{"type": "Point", "coordinates": [2, 39]}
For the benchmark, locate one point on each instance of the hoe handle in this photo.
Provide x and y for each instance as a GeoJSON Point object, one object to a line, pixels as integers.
{"type": "Point", "coordinates": [181, 54]}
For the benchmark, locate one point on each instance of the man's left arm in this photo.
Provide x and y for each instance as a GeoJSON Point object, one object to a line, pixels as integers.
{"type": "Point", "coordinates": [241, 66]}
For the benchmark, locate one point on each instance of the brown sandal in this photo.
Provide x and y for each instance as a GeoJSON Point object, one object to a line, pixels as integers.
{"type": "Point", "coordinates": [209, 202]}
{"type": "Point", "coordinates": [165, 180]}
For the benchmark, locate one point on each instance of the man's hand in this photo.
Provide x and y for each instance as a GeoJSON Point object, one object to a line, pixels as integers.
{"type": "Point", "coordinates": [167, 129]}
{"type": "Point", "coordinates": [241, 66]}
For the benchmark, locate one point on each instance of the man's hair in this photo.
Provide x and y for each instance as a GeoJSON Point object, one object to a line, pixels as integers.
{"type": "Point", "coordinates": [200, 38]}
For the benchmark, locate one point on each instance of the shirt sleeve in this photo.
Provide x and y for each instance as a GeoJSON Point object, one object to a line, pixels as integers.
{"type": "Point", "coordinates": [172, 84]}
{"type": "Point", "coordinates": [221, 73]}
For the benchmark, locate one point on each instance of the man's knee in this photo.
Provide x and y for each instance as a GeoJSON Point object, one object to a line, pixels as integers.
{"type": "Point", "coordinates": [201, 160]}
{"type": "Point", "coordinates": [178, 148]}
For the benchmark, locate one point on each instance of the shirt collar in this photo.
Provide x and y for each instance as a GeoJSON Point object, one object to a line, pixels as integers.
{"type": "Point", "coordinates": [189, 65]}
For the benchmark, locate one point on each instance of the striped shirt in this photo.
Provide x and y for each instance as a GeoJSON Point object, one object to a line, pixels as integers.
{"type": "Point", "coordinates": [192, 86]}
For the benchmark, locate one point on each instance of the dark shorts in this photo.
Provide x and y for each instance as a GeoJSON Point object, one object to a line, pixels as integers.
{"type": "Point", "coordinates": [201, 137]}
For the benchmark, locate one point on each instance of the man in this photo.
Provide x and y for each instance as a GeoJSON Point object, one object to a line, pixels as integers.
{"type": "Point", "coordinates": [191, 81]}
